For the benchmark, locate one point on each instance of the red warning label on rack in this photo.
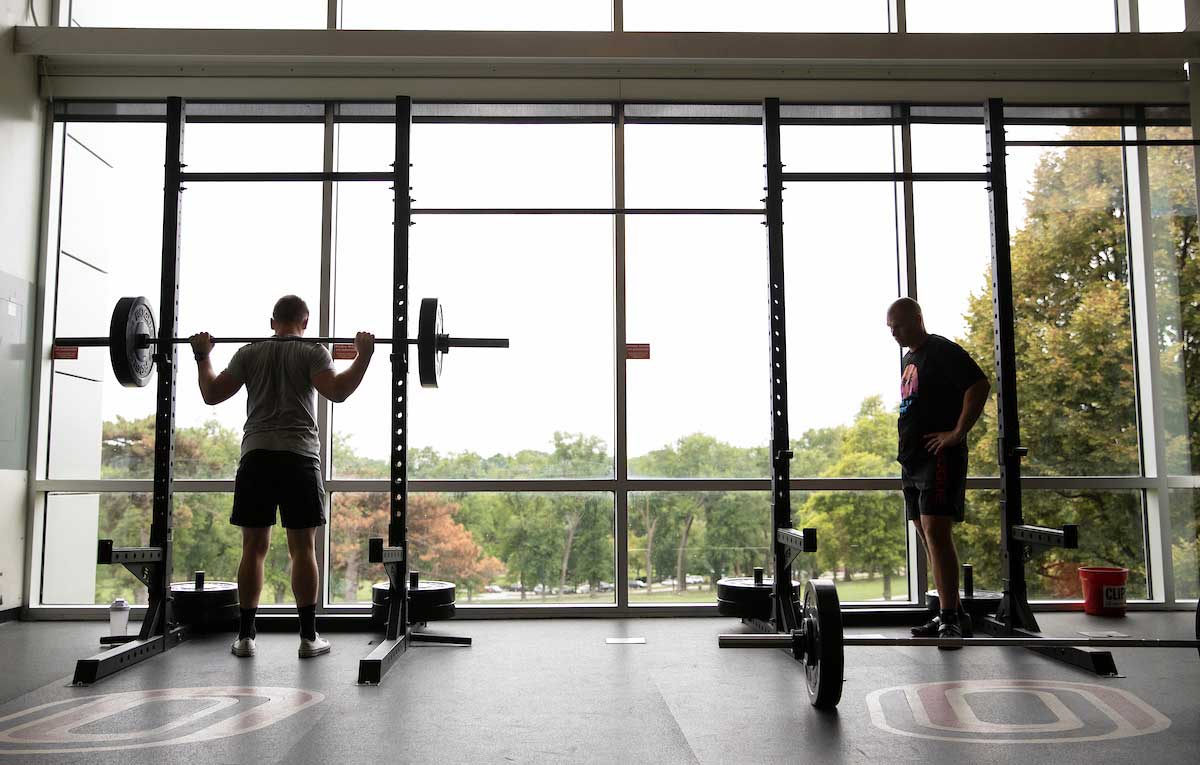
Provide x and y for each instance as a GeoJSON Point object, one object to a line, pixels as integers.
{"type": "Point", "coordinates": [637, 350]}
{"type": "Point", "coordinates": [345, 351]}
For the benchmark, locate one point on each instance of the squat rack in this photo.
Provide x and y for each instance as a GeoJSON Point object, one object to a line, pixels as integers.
{"type": "Point", "coordinates": [1014, 620]}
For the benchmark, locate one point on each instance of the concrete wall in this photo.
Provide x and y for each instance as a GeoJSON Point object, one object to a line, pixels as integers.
{"type": "Point", "coordinates": [21, 133]}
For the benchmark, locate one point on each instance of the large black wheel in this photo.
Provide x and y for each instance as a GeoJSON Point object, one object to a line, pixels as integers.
{"type": "Point", "coordinates": [824, 659]}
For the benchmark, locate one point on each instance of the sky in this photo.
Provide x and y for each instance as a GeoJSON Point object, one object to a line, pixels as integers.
{"type": "Point", "coordinates": [696, 286]}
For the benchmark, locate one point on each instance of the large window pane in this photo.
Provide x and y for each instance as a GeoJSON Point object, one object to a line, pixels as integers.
{"type": "Point", "coordinates": [253, 148]}
{"type": "Point", "coordinates": [681, 543]}
{"type": "Point", "coordinates": [862, 542]}
{"type": "Point", "coordinates": [269, 236]}
{"type": "Point", "coordinates": [1074, 339]}
{"type": "Point", "coordinates": [1185, 544]}
{"type": "Point", "coordinates": [1162, 15]}
{"type": "Point", "coordinates": [1173, 234]}
{"type": "Point", "coordinates": [693, 166]}
{"type": "Point", "coordinates": [843, 365]}
{"type": "Point", "coordinates": [954, 285]}
{"type": "Point", "coordinates": [698, 406]}
{"type": "Point", "coordinates": [1110, 534]}
{"type": "Point", "coordinates": [500, 549]}
{"type": "Point", "coordinates": [515, 15]}
{"type": "Point", "coordinates": [948, 148]}
{"type": "Point", "coordinates": [202, 14]}
{"type": "Point", "coordinates": [755, 16]}
{"type": "Point", "coordinates": [110, 247]}
{"type": "Point", "coordinates": [204, 541]}
{"type": "Point", "coordinates": [840, 148]}
{"type": "Point", "coordinates": [1011, 16]}
{"type": "Point", "coordinates": [543, 407]}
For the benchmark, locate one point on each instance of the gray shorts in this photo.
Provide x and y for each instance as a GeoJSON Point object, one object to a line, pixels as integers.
{"type": "Point", "coordinates": [937, 486]}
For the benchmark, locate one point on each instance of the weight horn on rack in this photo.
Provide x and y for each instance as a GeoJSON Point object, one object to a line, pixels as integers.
{"type": "Point", "coordinates": [133, 336]}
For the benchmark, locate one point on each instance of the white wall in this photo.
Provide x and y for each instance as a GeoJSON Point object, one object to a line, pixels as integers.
{"type": "Point", "coordinates": [21, 131]}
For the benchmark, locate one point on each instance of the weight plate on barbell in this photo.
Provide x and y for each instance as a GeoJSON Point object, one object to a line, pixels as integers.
{"type": "Point", "coordinates": [429, 330]}
{"type": "Point", "coordinates": [741, 598]}
{"type": "Point", "coordinates": [132, 362]}
{"type": "Point", "coordinates": [431, 601]}
{"type": "Point", "coordinates": [824, 661]}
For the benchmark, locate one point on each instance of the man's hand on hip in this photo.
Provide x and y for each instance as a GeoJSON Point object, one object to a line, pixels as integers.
{"type": "Point", "coordinates": [935, 442]}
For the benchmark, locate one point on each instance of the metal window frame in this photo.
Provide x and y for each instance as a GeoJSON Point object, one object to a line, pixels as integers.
{"type": "Point", "coordinates": [1153, 483]}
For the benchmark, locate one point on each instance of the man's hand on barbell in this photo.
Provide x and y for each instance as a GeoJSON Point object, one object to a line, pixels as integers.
{"type": "Point", "coordinates": [364, 344]}
{"type": "Point", "coordinates": [202, 343]}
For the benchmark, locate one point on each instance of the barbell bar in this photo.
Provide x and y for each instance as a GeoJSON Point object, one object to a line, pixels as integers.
{"type": "Point", "coordinates": [786, 641]}
{"type": "Point", "coordinates": [132, 333]}
{"type": "Point", "coordinates": [819, 642]}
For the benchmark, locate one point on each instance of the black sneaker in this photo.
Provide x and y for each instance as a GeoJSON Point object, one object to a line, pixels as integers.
{"type": "Point", "coordinates": [930, 628]}
{"type": "Point", "coordinates": [950, 630]}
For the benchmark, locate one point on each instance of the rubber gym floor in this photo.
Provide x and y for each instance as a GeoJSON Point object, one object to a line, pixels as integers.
{"type": "Point", "coordinates": [556, 691]}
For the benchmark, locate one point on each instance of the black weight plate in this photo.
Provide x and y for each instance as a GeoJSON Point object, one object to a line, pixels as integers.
{"type": "Point", "coordinates": [429, 356]}
{"type": "Point", "coordinates": [132, 317]}
{"type": "Point", "coordinates": [825, 661]}
{"type": "Point", "coordinates": [739, 597]}
{"type": "Point", "coordinates": [215, 605]}
{"type": "Point", "coordinates": [979, 605]}
{"type": "Point", "coordinates": [431, 601]}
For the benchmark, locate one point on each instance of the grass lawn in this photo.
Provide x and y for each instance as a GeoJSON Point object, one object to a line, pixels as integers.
{"type": "Point", "coordinates": [853, 591]}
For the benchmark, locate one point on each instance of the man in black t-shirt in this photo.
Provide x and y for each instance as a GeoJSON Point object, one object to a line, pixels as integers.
{"type": "Point", "coordinates": [942, 394]}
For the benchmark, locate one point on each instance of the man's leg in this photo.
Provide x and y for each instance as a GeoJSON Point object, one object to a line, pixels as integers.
{"type": "Point", "coordinates": [255, 543]}
{"type": "Point", "coordinates": [306, 579]}
{"type": "Point", "coordinates": [944, 559]}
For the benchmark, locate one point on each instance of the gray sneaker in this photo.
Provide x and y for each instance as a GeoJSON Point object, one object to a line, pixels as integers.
{"type": "Point", "coordinates": [950, 630]}
{"type": "Point", "coordinates": [314, 647]}
{"type": "Point", "coordinates": [242, 648]}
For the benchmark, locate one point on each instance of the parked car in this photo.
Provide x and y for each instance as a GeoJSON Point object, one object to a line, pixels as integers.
{"type": "Point", "coordinates": [605, 587]}
{"type": "Point", "coordinates": [694, 579]}
{"type": "Point", "coordinates": [493, 588]}
{"type": "Point", "coordinates": [637, 584]}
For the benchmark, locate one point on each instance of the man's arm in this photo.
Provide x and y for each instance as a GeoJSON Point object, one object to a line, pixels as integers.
{"type": "Point", "coordinates": [214, 388]}
{"type": "Point", "coordinates": [337, 386]}
{"type": "Point", "coordinates": [974, 399]}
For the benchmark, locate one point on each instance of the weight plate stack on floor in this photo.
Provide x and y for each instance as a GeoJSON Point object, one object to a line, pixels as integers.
{"type": "Point", "coordinates": [212, 608]}
{"type": "Point", "coordinates": [982, 603]}
{"type": "Point", "coordinates": [431, 601]}
{"type": "Point", "coordinates": [824, 659]}
{"type": "Point", "coordinates": [741, 598]}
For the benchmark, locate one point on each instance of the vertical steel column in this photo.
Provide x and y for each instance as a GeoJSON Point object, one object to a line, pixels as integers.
{"type": "Point", "coordinates": [785, 615]}
{"type": "Point", "coordinates": [621, 381]}
{"type": "Point", "coordinates": [397, 526]}
{"type": "Point", "coordinates": [159, 615]}
{"type": "Point", "coordinates": [1014, 608]}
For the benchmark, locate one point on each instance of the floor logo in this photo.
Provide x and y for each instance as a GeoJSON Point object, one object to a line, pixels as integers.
{"type": "Point", "coordinates": [145, 719]}
{"type": "Point", "coordinates": [1013, 712]}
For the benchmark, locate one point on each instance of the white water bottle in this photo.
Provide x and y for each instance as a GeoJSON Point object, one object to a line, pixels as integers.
{"type": "Point", "coordinates": [118, 617]}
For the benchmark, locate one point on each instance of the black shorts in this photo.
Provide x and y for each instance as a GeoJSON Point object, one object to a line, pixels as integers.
{"type": "Point", "coordinates": [937, 486]}
{"type": "Point", "coordinates": [269, 479]}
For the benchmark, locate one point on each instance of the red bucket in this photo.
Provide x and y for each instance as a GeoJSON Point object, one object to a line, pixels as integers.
{"type": "Point", "coordinates": [1103, 590]}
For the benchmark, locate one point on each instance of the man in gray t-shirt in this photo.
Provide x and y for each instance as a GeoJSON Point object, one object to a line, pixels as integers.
{"type": "Point", "coordinates": [280, 465]}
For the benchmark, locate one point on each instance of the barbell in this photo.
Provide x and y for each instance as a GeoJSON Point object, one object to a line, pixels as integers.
{"type": "Point", "coordinates": [132, 333]}
{"type": "Point", "coordinates": [819, 642]}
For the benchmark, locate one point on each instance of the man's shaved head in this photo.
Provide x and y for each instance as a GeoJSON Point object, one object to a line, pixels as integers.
{"type": "Point", "coordinates": [906, 323]}
{"type": "Point", "coordinates": [905, 306]}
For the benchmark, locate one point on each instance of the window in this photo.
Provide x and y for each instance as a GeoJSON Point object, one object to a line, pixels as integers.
{"type": "Point", "coordinates": [755, 16]}
{"type": "Point", "coordinates": [1011, 16]}
{"type": "Point", "coordinates": [1185, 542]}
{"type": "Point", "coordinates": [514, 15]}
{"type": "Point", "coordinates": [500, 549]}
{"type": "Point", "coordinates": [681, 543]}
{"type": "Point", "coordinates": [204, 541]}
{"type": "Point", "coordinates": [200, 14]}
{"type": "Point", "coordinates": [862, 541]}
{"type": "Point", "coordinates": [544, 281]}
{"type": "Point", "coordinates": [1162, 15]}
{"type": "Point", "coordinates": [1110, 534]}
{"type": "Point", "coordinates": [1074, 338]}
{"type": "Point", "coordinates": [110, 246]}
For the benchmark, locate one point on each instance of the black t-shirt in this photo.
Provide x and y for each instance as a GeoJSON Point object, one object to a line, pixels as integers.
{"type": "Point", "coordinates": [932, 384]}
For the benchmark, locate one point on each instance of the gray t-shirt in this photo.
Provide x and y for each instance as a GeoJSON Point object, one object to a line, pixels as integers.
{"type": "Point", "coordinates": [281, 403]}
